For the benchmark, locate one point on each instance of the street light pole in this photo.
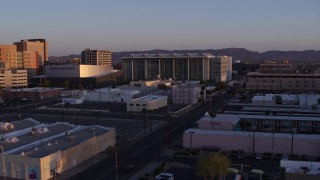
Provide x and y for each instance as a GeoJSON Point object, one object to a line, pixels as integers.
{"type": "Point", "coordinates": [62, 110]}
{"type": "Point", "coordinates": [131, 111]}
{"type": "Point", "coordinates": [116, 153]}
{"type": "Point", "coordinates": [191, 138]}
{"type": "Point", "coordinates": [219, 168]}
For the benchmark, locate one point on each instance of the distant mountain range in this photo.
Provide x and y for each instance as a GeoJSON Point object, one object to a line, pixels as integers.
{"type": "Point", "coordinates": [236, 53]}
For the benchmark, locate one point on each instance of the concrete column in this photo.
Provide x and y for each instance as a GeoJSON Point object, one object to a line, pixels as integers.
{"type": "Point", "coordinates": [203, 69]}
{"type": "Point", "coordinates": [160, 69]}
{"type": "Point", "coordinates": [173, 69]}
{"type": "Point", "coordinates": [132, 74]}
{"type": "Point", "coordinates": [188, 69]}
{"type": "Point", "coordinates": [145, 69]}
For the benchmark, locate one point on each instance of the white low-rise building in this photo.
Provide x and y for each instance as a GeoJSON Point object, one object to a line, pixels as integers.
{"type": "Point", "coordinates": [150, 102]}
{"type": "Point", "coordinates": [304, 100]}
{"type": "Point", "coordinates": [110, 95]}
{"type": "Point", "coordinates": [31, 150]}
{"type": "Point", "coordinates": [187, 93]}
{"type": "Point", "coordinates": [297, 170]}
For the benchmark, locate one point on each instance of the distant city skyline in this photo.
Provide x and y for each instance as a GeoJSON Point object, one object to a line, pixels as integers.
{"type": "Point", "coordinates": [71, 26]}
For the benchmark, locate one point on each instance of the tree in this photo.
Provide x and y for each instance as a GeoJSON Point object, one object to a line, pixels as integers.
{"type": "Point", "coordinates": [221, 85]}
{"type": "Point", "coordinates": [162, 86]}
{"type": "Point", "coordinates": [66, 84]}
{"type": "Point", "coordinates": [213, 164]}
{"type": "Point", "coordinates": [47, 83]}
{"type": "Point", "coordinates": [314, 107]}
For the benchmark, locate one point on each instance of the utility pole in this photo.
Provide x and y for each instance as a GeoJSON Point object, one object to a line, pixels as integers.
{"type": "Point", "coordinates": [116, 153]}
{"type": "Point", "coordinates": [169, 119]}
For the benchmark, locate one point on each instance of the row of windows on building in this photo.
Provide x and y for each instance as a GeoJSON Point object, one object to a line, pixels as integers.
{"type": "Point", "coordinates": [144, 105]}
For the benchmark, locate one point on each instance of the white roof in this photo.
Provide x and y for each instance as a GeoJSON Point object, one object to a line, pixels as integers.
{"type": "Point", "coordinates": [257, 134]}
{"type": "Point", "coordinates": [234, 119]}
{"type": "Point", "coordinates": [173, 55]}
{"type": "Point", "coordinates": [150, 98]}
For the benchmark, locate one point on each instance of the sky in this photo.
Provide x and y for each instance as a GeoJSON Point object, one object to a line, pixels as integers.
{"type": "Point", "coordinates": [70, 26]}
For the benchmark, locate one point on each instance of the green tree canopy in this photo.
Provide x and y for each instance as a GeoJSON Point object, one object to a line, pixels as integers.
{"type": "Point", "coordinates": [213, 164]}
{"type": "Point", "coordinates": [221, 85]}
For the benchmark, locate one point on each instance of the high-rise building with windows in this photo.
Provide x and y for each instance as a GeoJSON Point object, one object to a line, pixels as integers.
{"type": "Point", "coordinates": [96, 57]}
{"type": "Point", "coordinates": [39, 45]}
{"type": "Point", "coordinates": [178, 66]}
{"type": "Point", "coordinates": [13, 59]}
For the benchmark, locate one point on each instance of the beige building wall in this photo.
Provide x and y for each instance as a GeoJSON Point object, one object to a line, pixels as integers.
{"type": "Point", "coordinates": [8, 55]}
{"type": "Point", "coordinates": [220, 68]}
{"type": "Point", "coordinates": [20, 166]}
{"type": "Point", "coordinates": [13, 79]}
{"type": "Point", "coordinates": [75, 155]}
{"type": "Point", "coordinates": [39, 45]}
{"type": "Point", "coordinates": [96, 57]}
{"type": "Point", "coordinates": [253, 142]}
{"type": "Point", "coordinates": [137, 105]}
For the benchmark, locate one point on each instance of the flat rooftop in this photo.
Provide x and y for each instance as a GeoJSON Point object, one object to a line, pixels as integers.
{"type": "Point", "coordinates": [234, 119]}
{"type": "Point", "coordinates": [256, 134]}
{"type": "Point", "coordinates": [60, 143]}
{"type": "Point", "coordinates": [172, 55]}
{"type": "Point", "coordinates": [237, 117]}
{"type": "Point", "coordinates": [5, 127]}
{"type": "Point", "coordinates": [35, 89]}
{"type": "Point", "coordinates": [13, 142]}
{"type": "Point", "coordinates": [150, 98]}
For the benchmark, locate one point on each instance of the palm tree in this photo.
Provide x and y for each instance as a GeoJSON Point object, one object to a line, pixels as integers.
{"type": "Point", "coordinates": [213, 164]}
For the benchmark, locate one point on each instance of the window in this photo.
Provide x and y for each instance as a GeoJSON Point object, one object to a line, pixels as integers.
{"type": "Point", "coordinates": [137, 104]}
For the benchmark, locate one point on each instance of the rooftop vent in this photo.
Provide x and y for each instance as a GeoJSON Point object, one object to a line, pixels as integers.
{"type": "Point", "coordinates": [33, 133]}
{"type": "Point", "coordinates": [36, 149]}
{"type": "Point", "coordinates": [70, 138]}
{"type": "Point", "coordinates": [93, 130]}
{"type": "Point", "coordinates": [49, 144]}
{"type": "Point", "coordinates": [22, 153]}
{"type": "Point", "coordinates": [55, 142]}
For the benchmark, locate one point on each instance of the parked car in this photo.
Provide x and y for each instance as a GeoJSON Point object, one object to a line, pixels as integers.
{"type": "Point", "coordinates": [258, 157]}
{"type": "Point", "coordinates": [284, 157]}
{"type": "Point", "coordinates": [165, 176]}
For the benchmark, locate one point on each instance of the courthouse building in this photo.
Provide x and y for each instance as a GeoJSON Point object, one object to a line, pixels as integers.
{"type": "Point", "coordinates": [177, 66]}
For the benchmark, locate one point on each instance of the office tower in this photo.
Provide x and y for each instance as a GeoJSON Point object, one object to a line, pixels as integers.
{"type": "Point", "coordinates": [96, 57]}
{"type": "Point", "coordinates": [39, 45]}
{"type": "Point", "coordinates": [13, 59]}
{"type": "Point", "coordinates": [178, 66]}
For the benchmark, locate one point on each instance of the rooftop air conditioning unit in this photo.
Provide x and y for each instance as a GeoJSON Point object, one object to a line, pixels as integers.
{"type": "Point", "coordinates": [93, 130]}
{"type": "Point", "coordinates": [70, 138]}
{"type": "Point", "coordinates": [33, 133]}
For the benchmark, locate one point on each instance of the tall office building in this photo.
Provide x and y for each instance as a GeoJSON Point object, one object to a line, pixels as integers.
{"type": "Point", "coordinates": [13, 59]}
{"type": "Point", "coordinates": [96, 57]}
{"type": "Point", "coordinates": [39, 45]}
{"type": "Point", "coordinates": [178, 66]}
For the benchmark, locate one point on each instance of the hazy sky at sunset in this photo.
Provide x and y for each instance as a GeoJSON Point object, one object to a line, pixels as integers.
{"type": "Point", "coordinates": [120, 25]}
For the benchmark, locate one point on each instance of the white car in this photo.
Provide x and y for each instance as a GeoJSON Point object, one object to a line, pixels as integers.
{"type": "Point", "coordinates": [165, 176]}
{"type": "Point", "coordinates": [284, 157]}
{"type": "Point", "coordinates": [258, 157]}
